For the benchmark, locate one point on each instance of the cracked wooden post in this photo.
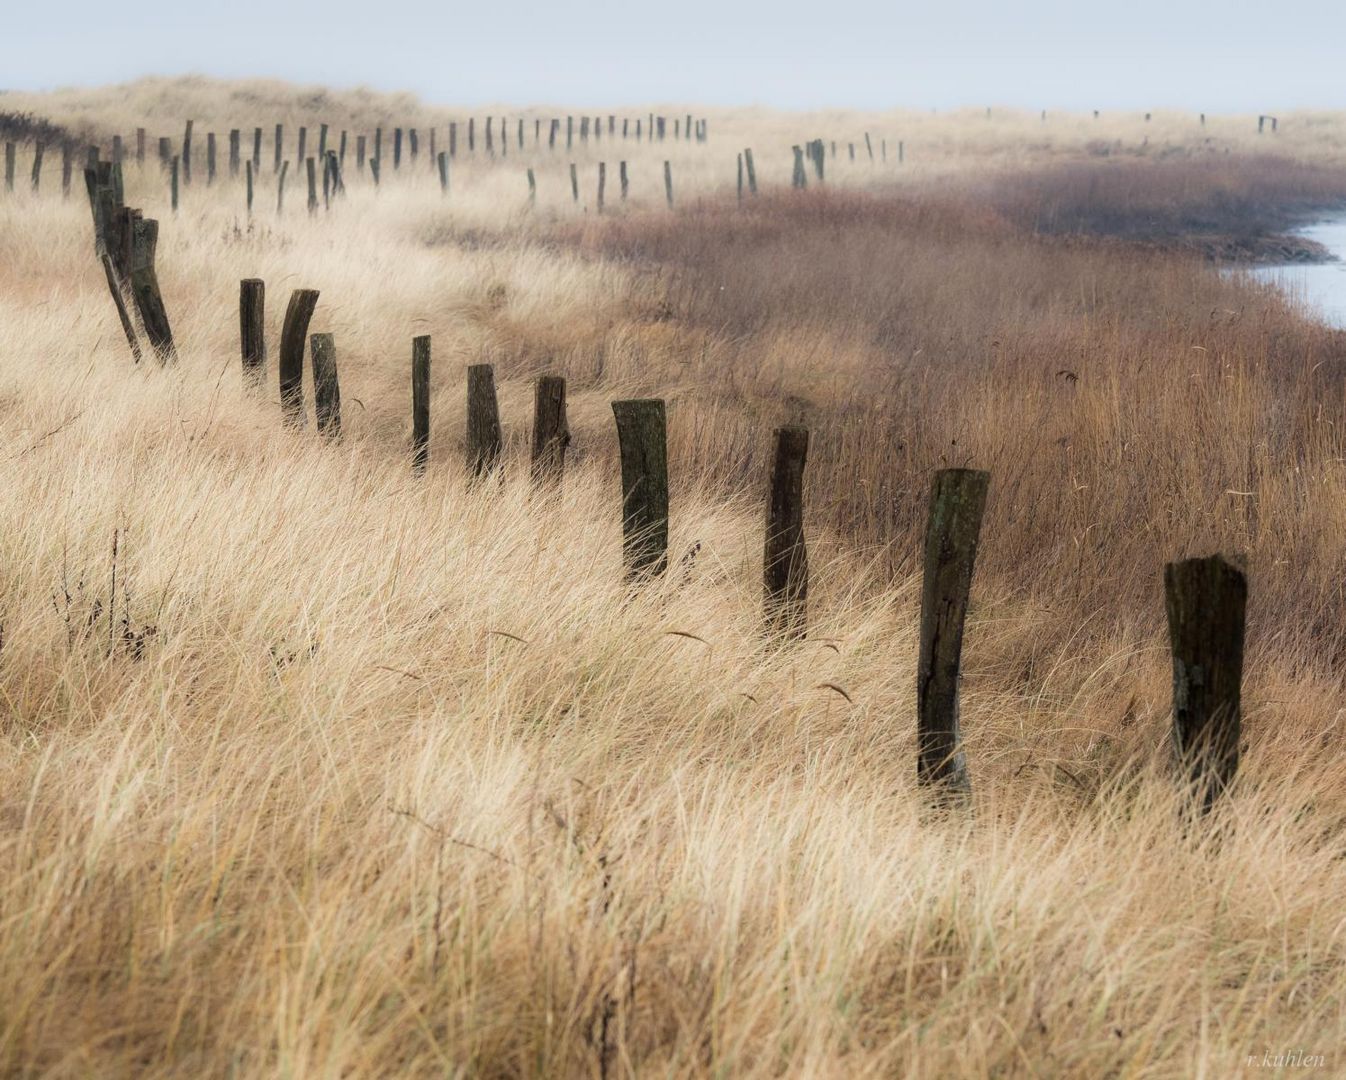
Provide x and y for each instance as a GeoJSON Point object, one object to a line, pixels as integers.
{"type": "Point", "coordinates": [484, 440]}
{"type": "Point", "coordinates": [786, 561]}
{"type": "Point", "coordinates": [643, 442]}
{"type": "Point", "coordinates": [551, 430]}
{"type": "Point", "coordinates": [143, 239]}
{"type": "Point", "coordinates": [280, 186]}
{"type": "Point", "coordinates": [1206, 602]}
{"type": "Point", "coordinates": [668, 183]}
{"type": "Point", "coordinates": [326, 388]}
{"type": "Point", "coordinates": [293, 338]}
{"type": "Point", "coordinates": [957, 501]}
{"type": "Point", "coordinates": [420, 403]}
{"type": "Point", "coordinates": [252, 331]}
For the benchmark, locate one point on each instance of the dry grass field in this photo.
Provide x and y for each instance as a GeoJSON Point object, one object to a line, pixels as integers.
{"type": "Point", "coordinates": [313, 767]}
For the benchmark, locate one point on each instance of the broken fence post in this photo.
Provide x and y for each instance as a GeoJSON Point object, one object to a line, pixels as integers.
{"type": "Point", "coordinates": [293, 338]}
{"type": "Point", "coordinates": [786, 561]}
{"type": "Point", "coordinates": [326, 389]}
{"type": "Point", "coordinates": [252, 331]}
{"type": "Point", "coordinates": [643, 441]}
{"type": "Point", "coordinates": [484, 441]}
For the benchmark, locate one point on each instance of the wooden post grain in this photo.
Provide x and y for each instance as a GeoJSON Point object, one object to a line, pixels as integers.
{"type": "Point", "coordinates": [957, 502]}
{"type": "Point", "coordinates": [1206, 602]}
{"type": "Point", "coordinates": [786, 561]}
{"type": "Point", "coordinates": [326, 388]}
{"type": "Point", "coordinates": [143, 238]}
{"type": "Point", "coordinates": [252, 331]}
{"type": "Point", "coordinates": [420, 403]}
{"type": "Point", "coordinates": [643, 442]}
{"type": "Point", "coordinates": [293, 338]}
{"type": "Point", "coordinates": [484, 440]}
{"type": "Point", "coordinates": [551, 430]}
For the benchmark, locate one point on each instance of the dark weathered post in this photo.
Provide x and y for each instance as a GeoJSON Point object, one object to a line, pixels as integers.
{"type": "Point", "coordinates": [11, 160]}
{"type": "Point", "coordinates": [140, 146]}
{"type": "Point", "coordinates": [67, 168]}
{"type": "Point", "coordinates": [668, 183]}
{"type": "Point", "coordinates": [414, 144]}
{"type": "Point", "coordinates": [740, 177]}
{"type": "Point", "coordinates": [375, 168]}
{"type": "Point", "coordinates": [434, 153]}
{"type": "Point", "coordinates": [551, 431]}
{"type": "Point", "coordinates": [173, 183]}
{"type": "Point", "coordinates": [786, 561]}
{"type": "Point", "coordinates": [165, 151]}
{"type": "Point", "coordinates": [326, 389]}
{"type": "Point", "coordinates": [799, 179]}
{"type": "Point", "coordinates": [957, 501]}
{"type": "Point", "coordinates": [293, 338]}
{"type": "Point", "coordinates": [752, 172]}
{"type": "Point", "coordinates": [453, 138]}
{"type": "Point", "coordinates": [551, 133]}
{"type": "Point", "coordinates": [360, 153]}
{"type": "Point", "coordinates": [532, 186]}
{"type": "Point", "coordinates": [117, 150]}
{"type": "Point", "coordinates": [471, 134]}
{"type": "Point", "coordinates": [235, 152]}
{"type": "Point", "coordinates": [484, 440]}
{"type": "Point", "coordinates": [280, 186]}
{"type": "Point", "coordinates": [851, 148]}
{"type": "Point", "coordinates": [623, 179]}
{"type": "Point", "coordinates": [252, 330]}
{"type": "Point", "coordinates": [280, 147]}
{"type": "Point", "coordinates": [901, 151]}
{"type": "Point", "coordinates": [341, 152]}
{"type": "Point", "coordinates": [1261, 120]}
{"type": "Point", "coordinates": [210, 157]}
{"type": "Point", "coordinates": [322, 142]}
{"type": "Point", "coordinates": [1206, 600]}
{"type": "Point", "coordinates": [378, 144]}
{"type": "Point", "coordinates": [869, 146]}
{"type": "Point", "coordinates": [602, 183]}
{"type": "Point", "coordinates": [38, 149]}
{"type": "Point", "coordinates": [443, 172]}
{"type": "Point", "coordinates": [574, 183]}
{"type": "Point", "coordinates": [187, 154]}
{"type": "Point", "coordinates": [302, 151]}
{"type": "Point", "coordinates": [143, 237]}
{"type": "Point", "coordinates": [397, 148]}
{"type": "Point", "coordinates": [257, 151]}
{"type": "Point", "coordinates": [420, 403]}
{"type": "Point", "coordinates": [248, 172]}
{"type": "Point", "coordinates": [312, 168]}
{"type": "Point", "coordinates": [643, 440]}
{"type": "Point", "coordinates": [490, 141]}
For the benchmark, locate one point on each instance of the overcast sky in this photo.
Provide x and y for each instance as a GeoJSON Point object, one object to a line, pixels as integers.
{"type": "Point", "coordinates": [1221, 55]}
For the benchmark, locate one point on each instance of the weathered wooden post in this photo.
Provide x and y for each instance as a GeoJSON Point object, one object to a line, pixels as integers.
{"type": "Point", "coordinates": [752, 172]}
{"type": "Point", "coordinates": [11, 159]}
{"type": "Point", "coordinates": [256, 152]}
{"type": "Point", "coordinates": [302, 153]}
{"type": "Point", "coordinates": [38, 149]}
{"type": "Point", "coordinates": [551, 134]}
{"type": "Point", "coordinates": [173, 183]}
{"type": "Point", "coordinates": [602, 183]}
{"type": "Point", "coordinates": [312, 168]}
{"type": "Point", "coordinates": [375, 168]}
{"type": "Point", "coordinates": [434, 153]}
{"type": "Point", "coordinates": [574, 183]}
{"type": "Point", "coordinates": [471, 134]}
{"type": "Point", "coordinates": [360, 153]}
{"type": "Point", "coordinates": [490, 142]}
{"type": "Point", "coordinates": [484, 440]}
{"type": "Point", "coordinates": [165, 151]}
{"type": "Point", "coordinates": [1206, 602]}
{"type": "Point", "coordinates": [235, 152]}
{"type": "Point", "coordinates": [798, 180]}
{"type": "Point", "coordinates": [740, 176]}
{"type": "Point", "coordinates": [397, 148]}
{"type": "Point", "coordinates": [280, 146]}
{"type": "Point", "coordinates": [420, 403]}
{"type": "Point", "coordinates": [532, 186]}
{"type": "Point", "coordinates": [187, 154]}
{"type": "Point", "coordinates": [378, 144]}
{"type": "Point", "coordinates": [117, 150]}
{"type": "Point", "coordinates": [668, 183]}
{"type": "Point", "coordinates": [341, 154]}
{"type": "Point", "coordinates": [453, 138]}
{"type": "Point", "coordinates": [252, 331]}
{"type": "Point", "coordinates": [414, 144]}
{"type": "Point", "coordinates": [870, 147]}
{"type": "Point", "coordinates": [142, 234]}
{"type": "Point", "coordinates": [551, 431]}
{"type": "Point", "coordinates": [249, 180]}
{"type": "Point", "coordinates": [443, 172]}
{"type": "Point", "coordinates": [140, 146]}
{"type": "Point", "coordinates": [786, 562]}
{"type": "Point", "coordinates": [322, 142]}
{"type": "Point", "coordinates": [293, 337]}
{"type": "Point", "coordinates": [67, 168]}
{"type": "Point", "coordinates": [901, 151]}
{"type": "Point", "coordinates": [643, 441]}
{"type": "Point", "coordinates": [280, 186]}
{"type": "Point", "coordinates": [326, 389]}
{"type": "Point", "coordinates": [851, 146]}
{"type": "Point", "coordinates": [570, 132]}
{"type": "Point", "coordinates": [957, 501]}
{"type": "Point", "coordinates": [815, 151]}
{"type": "Point", "coordinates": [210, 157]}
{"type": "Point", "coordinates": [1261, 120]}
{"type": "Point", "coordinates": [623, 179]}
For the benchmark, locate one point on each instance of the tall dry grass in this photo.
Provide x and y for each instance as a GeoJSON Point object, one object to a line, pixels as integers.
{"type": "Point", "coordinates": [308, 767]}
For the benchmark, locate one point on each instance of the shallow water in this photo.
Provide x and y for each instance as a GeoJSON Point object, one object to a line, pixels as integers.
{"type": "Point", "coordinates": [1321, 287]}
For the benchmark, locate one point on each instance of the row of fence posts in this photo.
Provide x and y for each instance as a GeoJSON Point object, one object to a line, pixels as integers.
{"type": "Point", "coordinates": [1205, 598]}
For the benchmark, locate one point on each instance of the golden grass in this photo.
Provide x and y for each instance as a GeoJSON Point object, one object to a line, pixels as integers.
{"type": "Point", "coordinates": [310, 768]}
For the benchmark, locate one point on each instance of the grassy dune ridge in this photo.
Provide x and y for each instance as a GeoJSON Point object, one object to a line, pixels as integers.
{"type": "Point", "coordinates": [308, 767]}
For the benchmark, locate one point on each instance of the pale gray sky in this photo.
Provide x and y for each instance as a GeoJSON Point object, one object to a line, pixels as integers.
{"type": "Point", "coordinates": [1215, 56]}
